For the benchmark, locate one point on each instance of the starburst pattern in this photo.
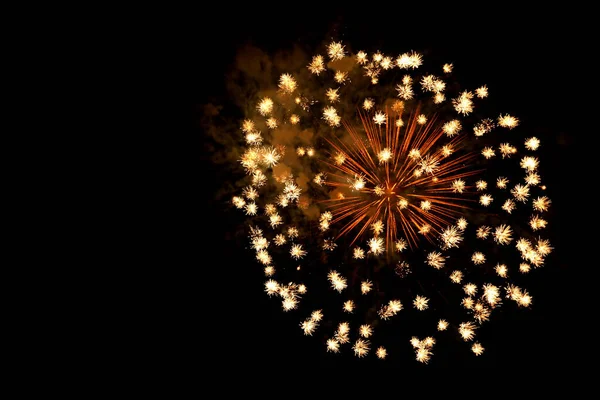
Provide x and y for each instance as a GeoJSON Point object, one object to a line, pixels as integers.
{"type": "Point", "coordinates": [353, 187]}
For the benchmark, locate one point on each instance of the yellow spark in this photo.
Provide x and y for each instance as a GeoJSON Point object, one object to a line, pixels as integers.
{"type": "Point", "coordinates": [524, 268]}
{"type": "Point", "coordinates": [451, 237]}
{"type": "Point", "coordinates": [330, 115]}
{"type": "Point", "coordinates": [339, 158]}
{"type": "Point", "coordinates": [343, 328]}
{"type": "Point", "coordinates": [491, 294]}
{"type": "Point", "coordinates": [401, 245]}
{"type": "Point", "coordinates": [376, 245]}
{"type": "Point", "coordinates": [507, 121]}
{"type": "Point", "coordinates": [329, 244]}
{"type": "Point", "coordinates": [337, 281]}
{"type": "Point", "coordinates": [461, 223]}
{"type": "Point", "coordinates": [468, 303]}
{"type": "Point", "coordinates": [280, 240]}
{"type": "Point", "coordinates": [421, 303]}
{"type": "Point", "coordinates": [543, 247]}
{"type": "Point", "coordinates": [467, 330]}
{"type": "Point", "coordinates": [358, 253]}
{"type": "Point", "coordinates": [294, 119]}
{"type": "Point", "coordinates": [458, 186]}
{"type": "Point", "coordinates": [436, 260]}
{"type": "Point", "coordinates": [501, 270]}
{"type": "Point", "coordinates": [447, 150]}
{"type": "Point", "coordinates": [447, 68]}
{"type": "Point", "coordinates": [398, 106]}
{"type": "Point", "coordinates": [336, 51]}
{"type": "Point", "coordinates": [308, 326]}
{"type": "Point", "coordinates": [532, 143]}
{"type": "Point", "coordinates": [265, 107]}
{"type": "Point", "coordinates": [332, 95]}
{"type": "Point", "coordinates": [270, 156]}
{"type": "Point", "coordinates": [316, 315]}
{"type": "Point", "coordinates": [442, 325]}
{"type": "Point", "coordinates": [537, 223]}
{"type": "Point", "coordinates": [533, 179]}
{"type": "Point", "coordinates": [463, 103]}
{"type": "Point", "coordinates": [483, 232]}
{"type": "Point", "coordinates": [481, 185]}
{"type": "Point", "coordinates": [485, 200]}
{"type": "Point", "coordinates": [287, 83]}
{"type": "Point", "coordinates": [483, 127]}
{"type": "Point", "coordinates": [379, 118]}
{"type": "Point", "coordinates": [368, 104]}
{"type": "Point", "coordinates": [359, 183]}
{"type": "Point", "coordinates": [541, 203]}
{"type": "Point", "coordinates": [509, 206]}
{"type": "Point", "coordinates": [456, 276]}
{"type": "Point", "coordinates": [269, 270]}
{"type": "Point", "coordinates": [310, 152]}
{"type": "Point", "coordinates": [248, 126]}
{"type": "Point", "coordinates": [333, 345]}
{"type": "Point", "coordinates": [264, 257]}
{"type": "Point", "coordinates": [361, 57]}
{"type": "Point", "coordinates": [433, 84]}
{"type": "Point", "coordinates": [423, 355]}
{"type": "Point", "coordinates": [452, 128]}
{"type": "Point", "coordinates": [391, 309]}
{"type": "Point", "coordinates": [340, 76]}
{"type": "Point", "coordinates": [319, 179]}
{"type": "Point", "coordinates": [501, 182]}
{"type": "Point", "coordinates": [520, 193]}
{"type": "Point", "coordinates": [402, 204]}
{"type": "Point", "coordinates": [366, 331]}
{"type": "Point", "coordinates": [439, 98]}
{"type": "Point", "coordinates": [503, 234]}
{"type": "Point", "coordinates": [361, 347]}
{"type": "Point", "coordinates": [381, 352]}
{"type": "Point", "coordinates": [250, 193]}
{"type": "Point", "coordinates": [349, 306]}
{"type": "Point", "coordinates": [366, 286]}
{"type": "Point", "coordinates": [488, 152]}
{"type": "Point", "coordinates": [271, 287]}
{"type": "Point", "coordinates": [421, 119]}
{"type": "Point", "coordinates": [478, 258]}
{"type": "Point", "coordinates": [297, 252]}
{"type": "Point", "coordinates": [238, 202]}
{"type": "Point", "coordinates": [317, 65]}
{"type": "Point", "coordinates": [477, 349]}
{"type": "Point", "coordinates": [425, 205]}
{"type": "Point", "coordinates": [529, 163]}
{"type": "Point", "coordinates": [385, 155]}
{"type": "Point", "coordinates": [405, 91]}
{"type": "Point", "coordinates": [409, 60]}
{"type": "Point", "coordinates": [259, 243]}
{"type": "Point", "coordinates": [272, 123]}
{"type": "Point", "coordinates": [470, 289]}
{"type": "Point", "coordinates": [507, 150]}
{"type": "Point", "coordinates": [482, 92]}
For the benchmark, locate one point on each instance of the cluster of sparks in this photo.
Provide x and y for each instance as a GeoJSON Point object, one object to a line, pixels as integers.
{"type": "Point", "coordinates": [397, 179]}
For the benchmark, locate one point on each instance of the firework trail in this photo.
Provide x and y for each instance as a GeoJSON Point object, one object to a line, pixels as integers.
{"type": "Point", "coordinates": [372, 176]}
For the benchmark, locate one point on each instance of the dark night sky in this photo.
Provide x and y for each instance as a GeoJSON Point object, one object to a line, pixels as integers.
{"type": "Point", "coordinates": [530, 82]}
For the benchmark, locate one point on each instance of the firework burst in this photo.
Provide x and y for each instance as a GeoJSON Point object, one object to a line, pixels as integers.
{"type": "Point", "coordinates": [361, 184]}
